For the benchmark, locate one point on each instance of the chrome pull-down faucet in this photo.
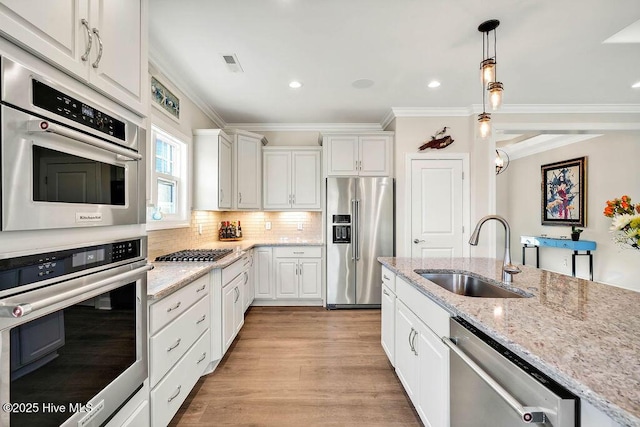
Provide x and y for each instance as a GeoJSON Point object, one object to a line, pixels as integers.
{"type": "Point", "coordinates": [508, 269]}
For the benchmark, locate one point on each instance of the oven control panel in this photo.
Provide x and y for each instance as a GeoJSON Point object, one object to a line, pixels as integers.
{"type": "Point", "coordinates": [64, 105]}
{"type": "Point", "coordinates": [26, 270]}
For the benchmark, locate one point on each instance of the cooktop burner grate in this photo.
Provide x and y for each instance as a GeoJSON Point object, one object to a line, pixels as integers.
{"type": "Point", "coordinates": [196, 255]}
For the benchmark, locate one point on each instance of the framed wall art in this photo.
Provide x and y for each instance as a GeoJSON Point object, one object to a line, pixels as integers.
{"type": "Point", "coordinates": [165, 99]}
{"type": "Point", "coordinates": [564, 197]}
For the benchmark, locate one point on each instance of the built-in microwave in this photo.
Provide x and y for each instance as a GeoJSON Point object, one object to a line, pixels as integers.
{"type": "Point", "coordinates": [65, 160]}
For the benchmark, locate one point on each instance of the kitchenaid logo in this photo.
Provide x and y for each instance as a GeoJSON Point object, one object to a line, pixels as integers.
{"type": "Point", "coordinates": [88, 217]}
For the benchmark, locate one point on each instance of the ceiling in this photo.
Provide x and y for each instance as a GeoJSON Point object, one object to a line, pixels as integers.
{"type": "Point", "coordinates": [549, 52]}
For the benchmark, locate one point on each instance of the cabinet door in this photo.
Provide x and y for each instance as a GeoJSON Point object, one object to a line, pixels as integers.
{"type": "Point", "coordinates": [343, 155]}
{"type": "Point", "coordinates": [121, 71]}
{"type": "Point", "coordinates": [306, 180]}
{"type": "Point", "coordinates": [263, 274]}
{"type": "Point", "coordinates": [277, 180]}
{"type": "Point", "coordinates": [51, 29]}
{"type": "Point", "coordinates": [310, 278]}
{"type": "Point", "coordinates": [407, 362]}
{"type": "Point", "coordinates": [229, 295]}
{"type": "Point", "coordinates": [286, 278]}
{"type": "Point", "coordinates": [238, 309]}
{"type": "Point", "coordinates": [374, 155]}
{"type": "Point", "coordinates": [248, 172]}
{"type": "Point", "coordinates": [224, 173]}
{"type": "Point", "coordinates": [433, 394]}
{"type": "Point", "coordinates": [387, 332]}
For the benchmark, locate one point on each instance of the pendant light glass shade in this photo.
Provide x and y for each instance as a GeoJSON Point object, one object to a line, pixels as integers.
{"type": "Point", "coordinates": [487, 71]}
{"type": "Point", "coordinates": [484, 125]}
{"type": "Point", "coordinates": [496, 89]}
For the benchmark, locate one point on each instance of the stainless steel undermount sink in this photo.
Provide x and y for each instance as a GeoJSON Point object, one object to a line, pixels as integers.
{"type": "Point", "coordinates": [467, 285]}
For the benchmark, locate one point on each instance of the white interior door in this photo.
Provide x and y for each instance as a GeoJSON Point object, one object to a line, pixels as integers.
{"type": "Point", "coordinates": [436, 208]}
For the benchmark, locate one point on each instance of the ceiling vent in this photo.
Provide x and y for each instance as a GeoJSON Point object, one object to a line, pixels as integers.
{"type": "Point", "coordinates": [232, 62]}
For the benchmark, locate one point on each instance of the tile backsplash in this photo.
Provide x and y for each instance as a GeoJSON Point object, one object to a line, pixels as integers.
{"type": "Point", "coordinates": [283, 224]}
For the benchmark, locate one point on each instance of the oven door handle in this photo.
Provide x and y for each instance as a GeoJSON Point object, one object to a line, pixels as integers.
{"type": "Point", "coordinates": [528, 414]}
{"type": "Point", "coordinates": [9, 309]}
{"type": "Point", "coordinates": [36, 126]}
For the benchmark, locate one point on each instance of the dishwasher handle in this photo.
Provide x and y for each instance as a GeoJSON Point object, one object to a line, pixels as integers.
{"type": "Point", "coordinates": [528, 414]}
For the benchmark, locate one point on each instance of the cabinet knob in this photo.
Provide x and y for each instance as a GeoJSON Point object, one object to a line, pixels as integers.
{"type": "Point", "coordinates": [416, 241]}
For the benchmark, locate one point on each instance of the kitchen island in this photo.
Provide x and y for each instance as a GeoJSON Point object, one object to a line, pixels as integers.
{"type": "Point", "coordinates": [583, 334]}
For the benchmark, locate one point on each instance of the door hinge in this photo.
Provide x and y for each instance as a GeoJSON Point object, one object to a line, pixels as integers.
{"type": "Point", "coordinates": [463, 229]}
{"type": "Point", "coordinates": [463, 176]}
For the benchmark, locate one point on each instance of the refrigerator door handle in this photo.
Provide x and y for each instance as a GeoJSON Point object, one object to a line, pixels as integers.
{"type": "Point", "coordinates": [354, 230]}
{"type": "Point", "coordinates": [357, 214]}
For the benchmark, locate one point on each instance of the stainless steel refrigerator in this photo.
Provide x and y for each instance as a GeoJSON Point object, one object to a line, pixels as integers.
{"type": "Point", "coordinates": [360, 228]}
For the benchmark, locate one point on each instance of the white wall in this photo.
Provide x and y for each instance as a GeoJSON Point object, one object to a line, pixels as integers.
{"type": "Point", "coordinates": [411, 133]}
{"type": "Point", "coordinates": [191, 117]}
{"type": "Point", "coordinates": [612, 170]}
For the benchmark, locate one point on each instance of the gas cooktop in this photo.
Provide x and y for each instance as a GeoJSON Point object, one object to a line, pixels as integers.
{"type": "Point", "coordinates": [196, 255]}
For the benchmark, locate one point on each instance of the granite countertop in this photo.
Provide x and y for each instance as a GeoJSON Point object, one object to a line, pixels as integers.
{"type": "Point", "coordinates": [583, 334]}
{"type": "Point", "coordinates": [168, 277]}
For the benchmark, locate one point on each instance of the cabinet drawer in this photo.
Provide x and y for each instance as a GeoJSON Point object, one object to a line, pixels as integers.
{"type": "Point", "coordinates": [435, 317]}
{"type": "Point", "coordinates": [169, 394]}
{"type": "Point", "coordinates": [298, 252]}
{"type": "Point", "coordinates": [231, 271]}
{"type": "Point", "coordinates": [389, 278]}
{"type": "Point", "coordinates": [169, 308]}
{"type": "Point", "coordinates": [166, 347]}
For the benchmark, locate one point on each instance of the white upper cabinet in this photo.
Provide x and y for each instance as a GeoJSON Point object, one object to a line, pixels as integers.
{"type": "Point", "coordinates": [101, 42]}
{"type": "Point", "coordinates": [291, 178]}
{"type": "Point", "coordinates": [359, 155]}
{"type": "Point", "coordinates": [212, 167]}
{"type": "Point", "coordinates": [247, 161]}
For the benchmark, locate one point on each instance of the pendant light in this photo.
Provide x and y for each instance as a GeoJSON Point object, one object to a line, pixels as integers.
{"type": "Point", "coordinates": [488, 73]}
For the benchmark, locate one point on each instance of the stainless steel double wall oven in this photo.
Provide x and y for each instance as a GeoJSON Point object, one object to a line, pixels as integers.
{"type": "Point", "coordinates": [73, 326]}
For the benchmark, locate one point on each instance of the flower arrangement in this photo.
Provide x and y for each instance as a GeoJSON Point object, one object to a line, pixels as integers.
{"type": "Point", "coordinates": [626, 221]}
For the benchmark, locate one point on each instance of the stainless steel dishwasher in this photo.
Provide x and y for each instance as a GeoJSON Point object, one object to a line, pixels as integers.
{"type": "Point", "coordinates": [492, 387]}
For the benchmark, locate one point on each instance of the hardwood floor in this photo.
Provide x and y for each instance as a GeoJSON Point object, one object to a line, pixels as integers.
{"type": "Point", "coordinates": [302, 366]}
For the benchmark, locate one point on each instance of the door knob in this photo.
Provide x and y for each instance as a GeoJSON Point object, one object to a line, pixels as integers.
{"type": "Point", "coordinates": [416, 241]}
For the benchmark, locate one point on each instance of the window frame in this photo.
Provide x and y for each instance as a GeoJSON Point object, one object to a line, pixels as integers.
{"type": "Point", "coordinates": [182, 216]}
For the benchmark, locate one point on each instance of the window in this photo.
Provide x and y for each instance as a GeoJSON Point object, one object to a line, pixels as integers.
{"type": "Point", "coordinates": [169, 181]}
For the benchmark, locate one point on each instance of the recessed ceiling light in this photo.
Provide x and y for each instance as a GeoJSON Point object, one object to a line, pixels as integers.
{"type": "Point", "coordinates": [295, 85]}
{"type": "Point", "coordinates": [362, 83]}
{"type": "Point", "coordinates": [636, 85]}
{"type": "Point", "coordinates": [434, 84]}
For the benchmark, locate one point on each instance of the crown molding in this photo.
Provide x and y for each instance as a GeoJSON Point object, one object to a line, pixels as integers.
{"type": "Point", "coordinates": [157, 61]}
{"type": "Point", "coordinates": [309, 127]}
{"type": "Point", "coordinates": [429, 112]}
{"type": "Point", "coordinates": [566, 109]}
{"type": "Point", "coordinates": [545, 142]}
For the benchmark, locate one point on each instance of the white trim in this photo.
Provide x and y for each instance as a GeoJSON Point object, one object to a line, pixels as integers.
{"type": "Point", "coordinates": [387, 119]}
{"type": "Point", "coordinates": [569, 109]}
{"type": "Point", "coordinates": [466, 195]}
{"type": "Point", "coordinates": [315, 127]}
{"type": "Point", "coordinates": [565, 127]}
{"type": "Point", "coordinates": [544, 142]}
{"type": "Point", "coordinates": [159, 64]}
{"type": "Point", "coordinates": [431, 112]}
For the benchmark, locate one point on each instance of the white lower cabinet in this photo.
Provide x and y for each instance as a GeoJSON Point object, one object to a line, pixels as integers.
{"type": "Point", "coordinates": [232, 310]}
{"type": "Point", "coordinates": [288, 275]}
{"type": "Point", "coordinates": [174, 388]}
{"type": "Point", "coordinates": [179, 347]}
{"type": "Point", "coordinates": [134, 413]}
{"type": "Point", "coordinates": [262, 273]}
{"type": "Point", "coordinates": [388, 314]}
{"type": "Point", "coordinates": [298, 272]}
{"type": "Point", "coordinates": [421, 359]}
